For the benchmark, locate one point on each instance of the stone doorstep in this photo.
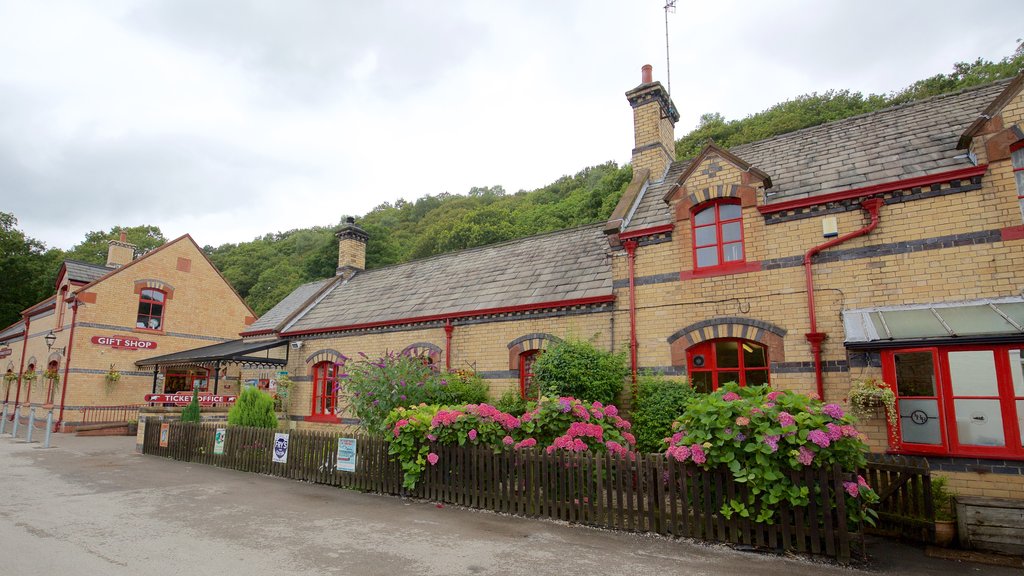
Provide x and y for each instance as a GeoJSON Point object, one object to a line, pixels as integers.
{"type": "Point", "coordinates": [991, 558]}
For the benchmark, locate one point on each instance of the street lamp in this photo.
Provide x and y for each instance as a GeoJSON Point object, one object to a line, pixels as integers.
{"type": "Point", "coordinates": [50, 339]}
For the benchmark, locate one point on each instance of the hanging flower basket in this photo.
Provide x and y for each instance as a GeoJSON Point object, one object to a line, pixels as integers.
{"type": "Point", "coordinates": [867, 396]}
{"type": "Point", "coordinates": [112, 377]}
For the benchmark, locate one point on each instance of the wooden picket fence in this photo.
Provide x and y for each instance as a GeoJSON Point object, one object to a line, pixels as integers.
{"type": "Point", "coordinates": [904, 490]}
{"type": "Point", "coordinates": [647, 494]}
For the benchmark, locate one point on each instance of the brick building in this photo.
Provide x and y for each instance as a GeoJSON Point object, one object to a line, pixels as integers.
{"type": "Point", "coordinates": [107, 318]}
{"type": "Point", "coordinates": [886, 245]}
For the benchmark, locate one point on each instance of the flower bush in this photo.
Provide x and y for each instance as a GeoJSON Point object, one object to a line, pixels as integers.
{"type": "Point", "coordinates": [760, 435]}
{"type": "Point", "coordinates": [379, 385]}
{"type": "Point", "coordinates": [554, 424]}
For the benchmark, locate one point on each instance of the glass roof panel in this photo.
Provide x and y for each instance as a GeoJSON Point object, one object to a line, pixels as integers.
{"type": "Point", "coordinates": [913, 324]}
{"type": "Point", "coordinates": [969, 320]}
{"type": "Point", "coordinates": [1014, 310]}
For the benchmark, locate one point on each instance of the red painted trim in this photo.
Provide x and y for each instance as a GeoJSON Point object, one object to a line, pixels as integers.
{"type": "Point", "coordinates": [630, 246]}
{"type": "Point", "coordinates": [1016, 146]}
{"type": "Point", "coordinates": [663, 229]}
{"type": "Point", "coordinates": [875, 189]}
{"type": "Point", "coordinates": [67, 363]}
{"type": "Point", "coordinates": [257, 332]}
{"type": "Point", "coordinates": [323, 419]}
{"type": "Point", "coordinates": [24, 348]}
{"type": "Point", "coordinates": [448, 329]}
{"type": "Point", "coordinates": [454, 315]}
{"type": "Point", "coordinates": [741, 268]}
{"type": "Point", "coordinates": [1012, 233]}
{"type": "Point", "coordinates": [872, 205]}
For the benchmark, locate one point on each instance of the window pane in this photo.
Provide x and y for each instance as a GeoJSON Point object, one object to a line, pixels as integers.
{"type": "Point", "coordinates": [974, 320]}
{"type": "Point", "coordinates": [754, 356]}
{"type": "Point", "coordinates": [705, 235]}
{"type": "Point", "coordinates": [733, 252]}
{"type": "Point", "coordinates": [707, 257]}
{"type": "Point", "coordinates": [731, 232]}
{"type": "Point", "coordinates": [727, 355]}
{"type": "Point", "coordinates": [153, 323]}
{"type": "Point", "coordinates": [705, 216]}
{"type": "Point", "coordinates": [729, 211]}
{"type": "Point", "coordinates": [153, 295]}
{"type": "Point", "coordinates": [757, 377]}
{"type": "Point", "coordinates": [1020, 419]}
{"type": "Point", "coordinates": [973, 373]}
{"type": "Point", "coordinates": [913, 324]}
{"type": "Point", "coordinates": [979, 422]}
{"type": "Point", "coordinates": [1017, 370]}
{"type": "Point", "coordinates": [915, 374]}
{"type": "Point", "coordinates": [701, 381]}
{"type": "Point", "coordinates": [145, 308]}
{"type": "Point", "coordinates": [727, 377]}
{"type": "Point", "coordinates": [919, 421]}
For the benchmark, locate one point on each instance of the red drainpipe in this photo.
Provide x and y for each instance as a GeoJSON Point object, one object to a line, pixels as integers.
{"type": "Point", "coordinates": [24, 348]}
{"type": "Point", "coordinates": [67, 364]}
{"type": "Point", "coordinates": [630, 246]}
{"type": "Point", "coordinates": [448, 329]}
{"type": "Point", "coordinates": [814, 337]}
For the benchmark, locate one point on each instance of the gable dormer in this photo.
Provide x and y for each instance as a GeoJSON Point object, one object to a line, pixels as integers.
{"type": "Point", "coordinates": [999, 126]}
{"type": "Point", "coordinates": [715, 173]}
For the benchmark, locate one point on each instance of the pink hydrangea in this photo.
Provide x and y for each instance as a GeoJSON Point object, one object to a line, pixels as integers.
{"type": "Point", "coordinates": [528, 443]}
{"type": "Point", "coordinates": [851, 488]}
{"type": "Point", "coordinates": [833, 410]}
{"type": "Point", "coordinates": [611, 410]}
{"type": "Point", "coordinates": [786, 419]}
{"type": "Point", "coordinates": [432, 458]}
{"type": "Point", "coordinates": [508, 441]}
{"type": "Point", "coordinates": [773, 395]}
{"type": "Point", "coordinates": [730, 396]}
{"type": "Point", "coordinates": [742, 421]}
{"type": "Point", "coordinates": [697, 453]}
{"type": "Point", "coordinates": [629, 437]}
{"type": "Point", "coordinates": [772, 441]}
{"type": "Point", "coordinates": [835, 432]}
{"type": "Point", "coordinates": [805, 456]}
{"type": "Point", "coordinates": [431, 437]}
{"type": "Point", "coordinates": [862, 482]}
{"type": "Point", "coordinates": [472, 434]}
{"type": "Point", "coordinates": [820, 438]}
{"type": "Point", "coordinates": [680, 453]}
{"type": "Point", "coordinates": [614, 447]}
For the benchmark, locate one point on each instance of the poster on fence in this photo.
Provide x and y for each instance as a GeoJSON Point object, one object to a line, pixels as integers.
{"type": "Point", "coordinates": [165, 432]}
{"type": "Point", "coordinates": [281, 447]}
{"type": "Point", "coordinates": [346, 455]}
{"type": "Point", "coordinates": [218, 441]}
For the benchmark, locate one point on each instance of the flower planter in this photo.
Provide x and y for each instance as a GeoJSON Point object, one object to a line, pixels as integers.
{"type": "Point", "coordinates": [945, 532]}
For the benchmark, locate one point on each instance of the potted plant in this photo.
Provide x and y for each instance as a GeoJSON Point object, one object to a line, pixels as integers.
{"type": "Point", "coordinates": [284, 386]}
{"type": "Point", "coordinates": [53, 376]}
{"type": "Point", "coordinates": [9, 378]}
{"type": "Point", "coordinates": [29, 377]}
{"type": "Point", "coordinates": [112, 377]}
{"type": "Point", "coordinates": [867, 395]}
{"type": "Point", "coordinates": [945, 514]}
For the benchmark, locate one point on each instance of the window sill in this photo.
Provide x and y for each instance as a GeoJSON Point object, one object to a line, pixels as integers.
{"type": "Point", "coordinates": [323, 419]}
{"type": "Point", "coordinates": [741, 268]}
{"type": "Point", "coordinates": [147, 331]}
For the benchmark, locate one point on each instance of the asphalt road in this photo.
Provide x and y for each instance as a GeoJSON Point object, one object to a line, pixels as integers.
{"type": "Point", "coordinates": [92, 506]}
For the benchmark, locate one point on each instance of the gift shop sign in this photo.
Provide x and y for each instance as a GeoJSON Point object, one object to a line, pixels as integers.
{"type": "Point", "coordinates": [182, 399]}
{"type": "Point", "coordinates": [124, 342]}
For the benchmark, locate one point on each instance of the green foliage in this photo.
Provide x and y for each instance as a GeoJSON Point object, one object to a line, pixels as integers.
{"type": "Point", "coordinates": [513, 402]}
{"type": "Point", "coordinates": [28, 270]}
{"type": "Point", "coordinates": [659, 402]}
{"type": "Point", "coordinates": [253, 408]}
{"type": "Point", "coordinates": [578, 369]}
{"type": "Point", "coordinates": [96, 244]}
{"type": "Point", "coordinates": [191, 412]}
{"type": "Point", "coordinates": [379, 385]}
{"type": "Point", "coordinates": [564, 424]}
{"type": "Point", "coordinates": [942, 499]}
{"type": "Point", "coordinates": [760, 435]}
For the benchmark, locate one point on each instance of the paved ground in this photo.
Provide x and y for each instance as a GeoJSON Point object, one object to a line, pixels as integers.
{"type": "Point", "coordinates": [92, 506]}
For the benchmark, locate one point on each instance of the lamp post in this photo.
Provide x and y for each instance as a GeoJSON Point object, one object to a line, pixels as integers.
{"type": "Point", "coordinates": [50, 339]}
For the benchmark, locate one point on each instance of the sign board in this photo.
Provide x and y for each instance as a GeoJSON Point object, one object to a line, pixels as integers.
{"type": "Point", "coordinates": [346, 455]}
{"type": "Point", "coordinates": [124, 342]}
{"type": "Point", "coordinates": [251, 383]}
{"type": "Point", "coordinates": [165, 432]}
{"type": "Point", "coordinates": [281, 447]}
{"type": "Point", "coordinates": [5, 352]}
{"type": "Point", "coordinates": [218, 441]}
{"type": "Point", "coordinates": [183, 399]}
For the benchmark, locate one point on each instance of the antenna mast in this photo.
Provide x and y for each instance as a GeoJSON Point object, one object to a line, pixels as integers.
{"type": "Point", "coordinates": [670, 6]}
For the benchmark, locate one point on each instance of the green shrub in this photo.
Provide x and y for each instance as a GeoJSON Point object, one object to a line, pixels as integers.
{"type": "Point", "coordinates": [512, 402]}
{"type": "Point", "coordinates": [460, 387]}
{"type": "Point", "coordinates": [191, 412]}
{"type": "Point", "coordinates": [576, 368]}
{"type": "Point", "coordinates": [253, 408]}
{"type": "Point", "coordinates": [659, 402]}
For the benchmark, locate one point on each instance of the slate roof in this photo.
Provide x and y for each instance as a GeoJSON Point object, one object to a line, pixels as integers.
{"type": "Point", "coordinates": [16, 329]}
{"type": "Point", "coordinates": [232, 351]}
{"type": "Point", "coordinates": [85, 272]}
{"type": "Point", "coordinates": [558, 266]}
{"type": "Point", "coordinates": [291, 304]}
{"type": "Point", "coordinates": [897, 143]}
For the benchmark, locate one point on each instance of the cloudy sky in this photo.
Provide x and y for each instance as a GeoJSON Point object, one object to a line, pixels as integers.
{"type": "Point", "coordinates": [230, 119]}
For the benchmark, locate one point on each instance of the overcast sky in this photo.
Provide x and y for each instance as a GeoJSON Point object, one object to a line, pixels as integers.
{"type": "Point", "coordinates": [229, 119]}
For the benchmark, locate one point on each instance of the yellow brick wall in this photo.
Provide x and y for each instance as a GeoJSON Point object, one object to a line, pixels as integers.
{"type": "Point", "coordinates": [351, 253]}
{"type": "Point", "coordinates": [649, 128]}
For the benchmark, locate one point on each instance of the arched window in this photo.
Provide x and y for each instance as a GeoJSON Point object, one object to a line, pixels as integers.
{"type": "Point", "coordinates": [718, 235]}
{"type": "Point", "coordinates": [527, 386]}
{"type": "Point", "coordinates": [61, 306]}
{"type": "Point", "coordinates": [151, 309]}
{"type": "Point", "coordinates": [325, 389]}
{"type": "Point", "coordinates": [716, 362]}
{"type": "Point", "coordinates": [51, 368]}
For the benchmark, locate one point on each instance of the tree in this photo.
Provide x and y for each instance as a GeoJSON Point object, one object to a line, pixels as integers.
{"type": "Point", "coordinates": [94, 248]}
{"type": "Point", "coordinates": [253, 408]}
{"type": "Point", "coordinates": [28, 270]}
{"type": "Point", "coordinates": [191, 412]}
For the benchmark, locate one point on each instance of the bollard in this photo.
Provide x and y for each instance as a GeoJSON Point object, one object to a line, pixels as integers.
{"type": "Point", "coordinates": [3, 420]}
{"type": "Point", "coordinates": [31, 424]}
{"type": "Point", "coordinates": [49, 428]}
{"type": "Point", "coordinates": [17, 421]}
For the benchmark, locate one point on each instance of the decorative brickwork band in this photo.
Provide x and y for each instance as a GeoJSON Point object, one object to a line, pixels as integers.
{"type": "Point", "coordinates": [324, 355]}
{"type": "Point", "coordinates": [766, 333]}
{"type": "Point", "coordinates": [424, 349]}
{"type": "Point", "coordinates": [160, 285]}
{"type": "Point", "coordinates": [527, 342]}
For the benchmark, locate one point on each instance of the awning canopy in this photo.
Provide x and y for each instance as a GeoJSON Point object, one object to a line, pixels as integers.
{"type": "Point", "coordinates": [978, 321]}
{"type": "Point", "coordinates": [232, 352]}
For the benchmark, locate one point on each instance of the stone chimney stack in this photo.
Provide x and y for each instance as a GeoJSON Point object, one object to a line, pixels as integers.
{"type": "Point", "coordinates": [351, 248]}
{"type": "Point", "coordinates": [120, 252]}
{"type": "Point", "coordinates": [654, 123]}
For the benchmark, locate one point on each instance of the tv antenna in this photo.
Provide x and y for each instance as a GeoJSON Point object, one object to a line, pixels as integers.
{"type": "Point", "coordinates": [670, 6]}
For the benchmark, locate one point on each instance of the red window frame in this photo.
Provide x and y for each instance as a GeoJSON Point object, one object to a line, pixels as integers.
{"type": "Point", "coordinates": [717, 223]}
{"type": "Point", "coordinates": [145, 314]}
{"type": "Point", "coordinates": [526, 360]}
{"type": "Point", "coordinates": [189, 378]}
{"type": "Point", "coordinates": [707, 351]}
{"type": "Point", "coordinates": [1012, 448]}
{"type": "Point", "coordinates": [325, 393]}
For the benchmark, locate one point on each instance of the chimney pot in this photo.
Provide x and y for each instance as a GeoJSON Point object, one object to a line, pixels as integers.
{"type": "Point", "coordinates": [350, 220]}
{"type": "Point", "coordinates": [646, 74]}
{"type": "Point", "coordinates": [124, 237]}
